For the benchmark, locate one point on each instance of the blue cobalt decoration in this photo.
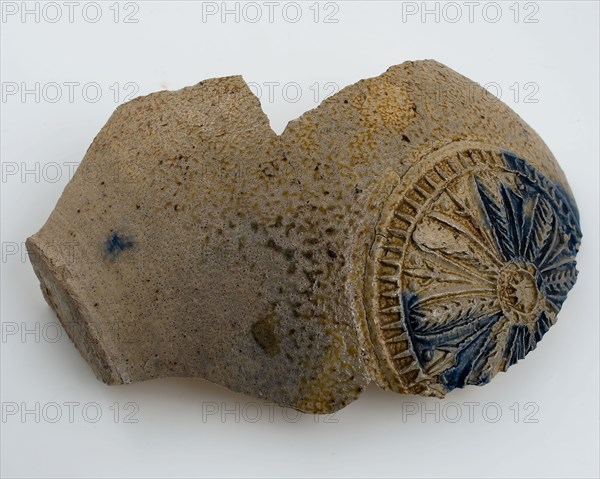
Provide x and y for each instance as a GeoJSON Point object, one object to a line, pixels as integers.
{"type": "Point", "coordinates": [508, 266]}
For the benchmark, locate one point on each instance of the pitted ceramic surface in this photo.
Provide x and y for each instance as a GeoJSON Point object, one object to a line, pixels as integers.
{"type": "Point", "coordinates": [386, 236]}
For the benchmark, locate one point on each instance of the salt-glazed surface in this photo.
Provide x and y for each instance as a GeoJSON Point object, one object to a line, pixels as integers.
{"type": "Point", "coordinates": [412, 231]}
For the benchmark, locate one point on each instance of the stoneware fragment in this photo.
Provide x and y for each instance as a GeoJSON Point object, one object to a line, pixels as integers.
{"type": "Point", "coordinates": [412, 231]}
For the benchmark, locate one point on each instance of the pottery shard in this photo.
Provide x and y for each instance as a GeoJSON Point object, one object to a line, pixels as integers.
{"type": "Point", "coordinates": [410, 231]}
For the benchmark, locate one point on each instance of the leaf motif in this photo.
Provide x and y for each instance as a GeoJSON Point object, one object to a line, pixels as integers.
{"type": "Point", "coordinates": [520, 341]}
{"type": "Point", "coordinates": [428, 235]}
{"type": "Point", "coordinates": [453, 334]}
{"type": "Point", "coordinates": [563, 278]}
{"type": "Point", "coordinates": [467, 266]}
{"type": "Point", "coordinates": [447, 316]}
{"type": "Point", "coordinates": [463, 210]}
{"type": "Point", "coordinates": [456, 325]}
{"type": "Point", "coordinates": [480, 372]}
{"type": "Point", "coordinates": [513, 207]}
{"type": "Point", "coordinates": [475, 250]}
{"type": "Point", "coordinates": [558, 282]}
{"type": "Point", "coordinates": [432, 274]}
{"type": "Point", "coordinates": [543, 324]}
{"type": "Point", "coordinates": [565, 210]}
{"type": "Point", "coordinates": [540, 229]}
{"type": "Point", "coordinates": [556, 247]}
{"type": "Point", "coordinates": [471, 357]}
{"type": "Point", "coordinates": [498, 222]}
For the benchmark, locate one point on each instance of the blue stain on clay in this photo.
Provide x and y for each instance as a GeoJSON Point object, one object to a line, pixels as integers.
{"type": "Point", "coordinates": [467, 336]}
{"type": "Point", "coordinates": [533, 221]}
{"type": "Point", "coordinates": [116, 243]}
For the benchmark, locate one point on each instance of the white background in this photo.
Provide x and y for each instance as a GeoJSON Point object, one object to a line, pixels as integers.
{"type": "Point", "coordinates": [191, 428]}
